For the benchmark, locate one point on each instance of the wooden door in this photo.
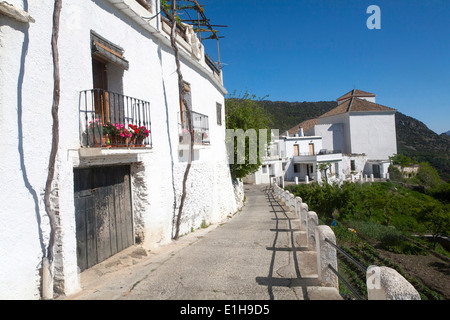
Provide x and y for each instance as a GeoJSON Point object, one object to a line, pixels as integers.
{"type": "Point", "coordinates": [103, 213]}
{"type": "Point", "coordinates": [311, 149]}
{"type": "Point", "coordinates": [296, 150]}
{"type": "Point", "coordinates": [101, 98]}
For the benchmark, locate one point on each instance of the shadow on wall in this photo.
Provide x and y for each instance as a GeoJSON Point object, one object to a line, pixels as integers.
{"type": "Point", "coordinates": [26, 40]}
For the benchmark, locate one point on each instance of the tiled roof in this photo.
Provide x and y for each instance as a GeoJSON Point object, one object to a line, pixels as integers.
{"type": "Point", "coordinates": [306, 125]}
{"type": "Point", "coordinates": [356, 93]}
{"type": "Point", "coordinates": [356, 105]}
{"type": "Point", "coordinates": [353, 104]}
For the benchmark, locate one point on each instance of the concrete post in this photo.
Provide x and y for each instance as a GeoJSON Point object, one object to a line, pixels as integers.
{"type": "Point", "coordinates": [304, 216]}
{"type": "Point", "coordinates": [384, 283]}
{"type": "Point", "coordinates": [296, 180]}
{"type": "Point", "coordinates": [298, 203]}
{"type": "Point", "coordinates": [292, 203]}
{"type": "Point", "coordinates": [372, 177]}
{"type": "Point", "coordinates": [286, 198]}
{"type": "Point", "coordinates": [326, 255]}
{"type": "Point", "coordinates": [307, 179]}
{"type": "Point", "coordinates": [313, 222]}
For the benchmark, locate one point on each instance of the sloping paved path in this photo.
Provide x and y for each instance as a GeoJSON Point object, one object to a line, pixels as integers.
{"type": "Point", "coordinates": [256, 255]}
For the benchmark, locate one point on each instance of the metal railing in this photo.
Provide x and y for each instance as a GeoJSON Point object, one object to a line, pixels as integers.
{"type": "Point", "coordinates": [200, 126]}
{"type": "Point", "coordinates": [349, 257]}
{"type": "Point", "coordinates": [326, 151]}
{"type": "Point", "coordinates": [109, 119]}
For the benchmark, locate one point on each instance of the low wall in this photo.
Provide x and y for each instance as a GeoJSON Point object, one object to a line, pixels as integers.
{"type": "Point", "coordinates": [383, 283]}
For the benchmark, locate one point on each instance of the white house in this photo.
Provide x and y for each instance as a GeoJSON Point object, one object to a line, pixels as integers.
{"type": "Point", "coordinates": [359, 128]}
{"type": "Point", "coordinates": [116, 66]}
{"type": "Point", "coordinates": [274, 163]}
{"type": "Point", "coordinates": [354, 140]}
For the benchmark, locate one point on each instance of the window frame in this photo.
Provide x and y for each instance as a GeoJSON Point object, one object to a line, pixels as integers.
{"type": "Point", "coordinates": [219, 113]}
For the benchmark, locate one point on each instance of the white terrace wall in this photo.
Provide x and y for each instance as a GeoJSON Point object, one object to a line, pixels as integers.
{"type": "Point", "coordinates": [383, 283]}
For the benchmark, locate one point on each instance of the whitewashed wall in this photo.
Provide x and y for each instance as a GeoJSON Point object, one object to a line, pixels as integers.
{"type": "Point", "coordinates": [25, 102]}
{"type": "Point", "coordinates": [332, 135]}
{"type": "Point", "coordinates": [373, 134]}
{"type": "Point", "coordinates": [344, 120]}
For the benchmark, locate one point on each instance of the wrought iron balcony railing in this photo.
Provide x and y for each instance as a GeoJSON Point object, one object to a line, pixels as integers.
{"type": "Point", "coordinates": [200, 126]}
{"type": "Point", "coordinates": [109, 119]}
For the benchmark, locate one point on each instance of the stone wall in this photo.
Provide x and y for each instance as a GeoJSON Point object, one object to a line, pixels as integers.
{"type": "Point", "coordinates": [383, 283]}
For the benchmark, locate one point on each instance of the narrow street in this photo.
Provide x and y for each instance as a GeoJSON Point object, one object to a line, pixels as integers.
{"type": "Point", "coordinates": [256, 255]}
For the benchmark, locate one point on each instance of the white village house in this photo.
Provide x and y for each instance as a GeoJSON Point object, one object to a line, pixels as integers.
{"type": "Point", "coordinates": [116, 66]}
{"type": "Point", "coordinates": [355, 139]}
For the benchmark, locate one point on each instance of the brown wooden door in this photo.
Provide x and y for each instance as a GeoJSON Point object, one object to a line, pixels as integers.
{"type": "Point", "coordinates": [101, 98]}
{"type": "Point", "coordinates": [103, 213]}
{"type": "Point", "coordinates": [311, 149]}
{"type": "Point", "coordinates": [296, 150]}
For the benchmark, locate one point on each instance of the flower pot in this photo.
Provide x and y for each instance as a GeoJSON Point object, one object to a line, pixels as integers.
{"type": "Point", "coordinates": [99, 141]}
{"type": "Point", "coordinates": [120, 142]}
{"type": "Point", "coordinates": [138, 142]}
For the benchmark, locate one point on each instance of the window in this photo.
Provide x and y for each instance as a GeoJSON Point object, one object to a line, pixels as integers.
{"type": "Point", "coordinates": [352, 165]}
{"type": "Point", "coordinates": [219, 113]}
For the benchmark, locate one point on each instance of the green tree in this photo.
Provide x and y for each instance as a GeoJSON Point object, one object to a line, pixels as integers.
{"type": "Point", "coordinates": [428, 175]}
{"type": "Point", "coordinates": [246, 113]}
{"type": "Point", "coordinates": [401, 160]}
{"type": "Point", "coordinates": [323, 167]}
{"type": "Point", "coordinates": [436, 219]}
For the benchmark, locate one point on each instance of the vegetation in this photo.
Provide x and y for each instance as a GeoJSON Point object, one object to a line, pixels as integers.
{"type": "Point", "coordinates": [245, 113]}
{"type": "Point", "coordinates": [385, 214]}
{"type": "Point", "coordinates": [366, 254]}
{"type": "Point", "coordinates": [382, 204]}
{"type": "Point", "coordinates": [421, 144]}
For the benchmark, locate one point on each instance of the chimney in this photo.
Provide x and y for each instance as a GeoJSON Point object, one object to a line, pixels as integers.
{"type": "Point", "coordinates": [300, 132]}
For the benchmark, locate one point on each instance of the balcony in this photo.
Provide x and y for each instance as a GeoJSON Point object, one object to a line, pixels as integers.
{"type": "Point", "coordinates": [321, 156]}
{"type": "Point", "coordinates": [113, 120]}
{"type": "Point", "coordinates": [200, 126]}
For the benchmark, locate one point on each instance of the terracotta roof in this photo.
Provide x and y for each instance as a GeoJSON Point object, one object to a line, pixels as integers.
{"type": "Point", "coordinates": [306, 125]}
{"type": "Point", "coordinates": [356, 93]}
{"type": "Point", "coordinates": [356, 105]}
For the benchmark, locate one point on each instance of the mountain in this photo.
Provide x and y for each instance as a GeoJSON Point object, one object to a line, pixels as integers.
{"type": "Point", "coordinates": [447, 133]}
{"type": "Point", "coordinates": [286, 115]}
{"type": "Point", "coordinates": [414, 139]}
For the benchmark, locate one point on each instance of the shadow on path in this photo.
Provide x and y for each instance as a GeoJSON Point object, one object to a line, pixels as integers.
{"type": "Point", "coordinates": [283, 224]}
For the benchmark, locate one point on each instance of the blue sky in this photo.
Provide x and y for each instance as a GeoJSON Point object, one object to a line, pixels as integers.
{"type": "Point", "coordinates": [318, 50]}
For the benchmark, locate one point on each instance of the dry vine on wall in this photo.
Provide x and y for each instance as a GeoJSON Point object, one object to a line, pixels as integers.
{"type": "Point", "coordinates": [48, 259]}
{"type": "Point", "coordinates": [181, 92]}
